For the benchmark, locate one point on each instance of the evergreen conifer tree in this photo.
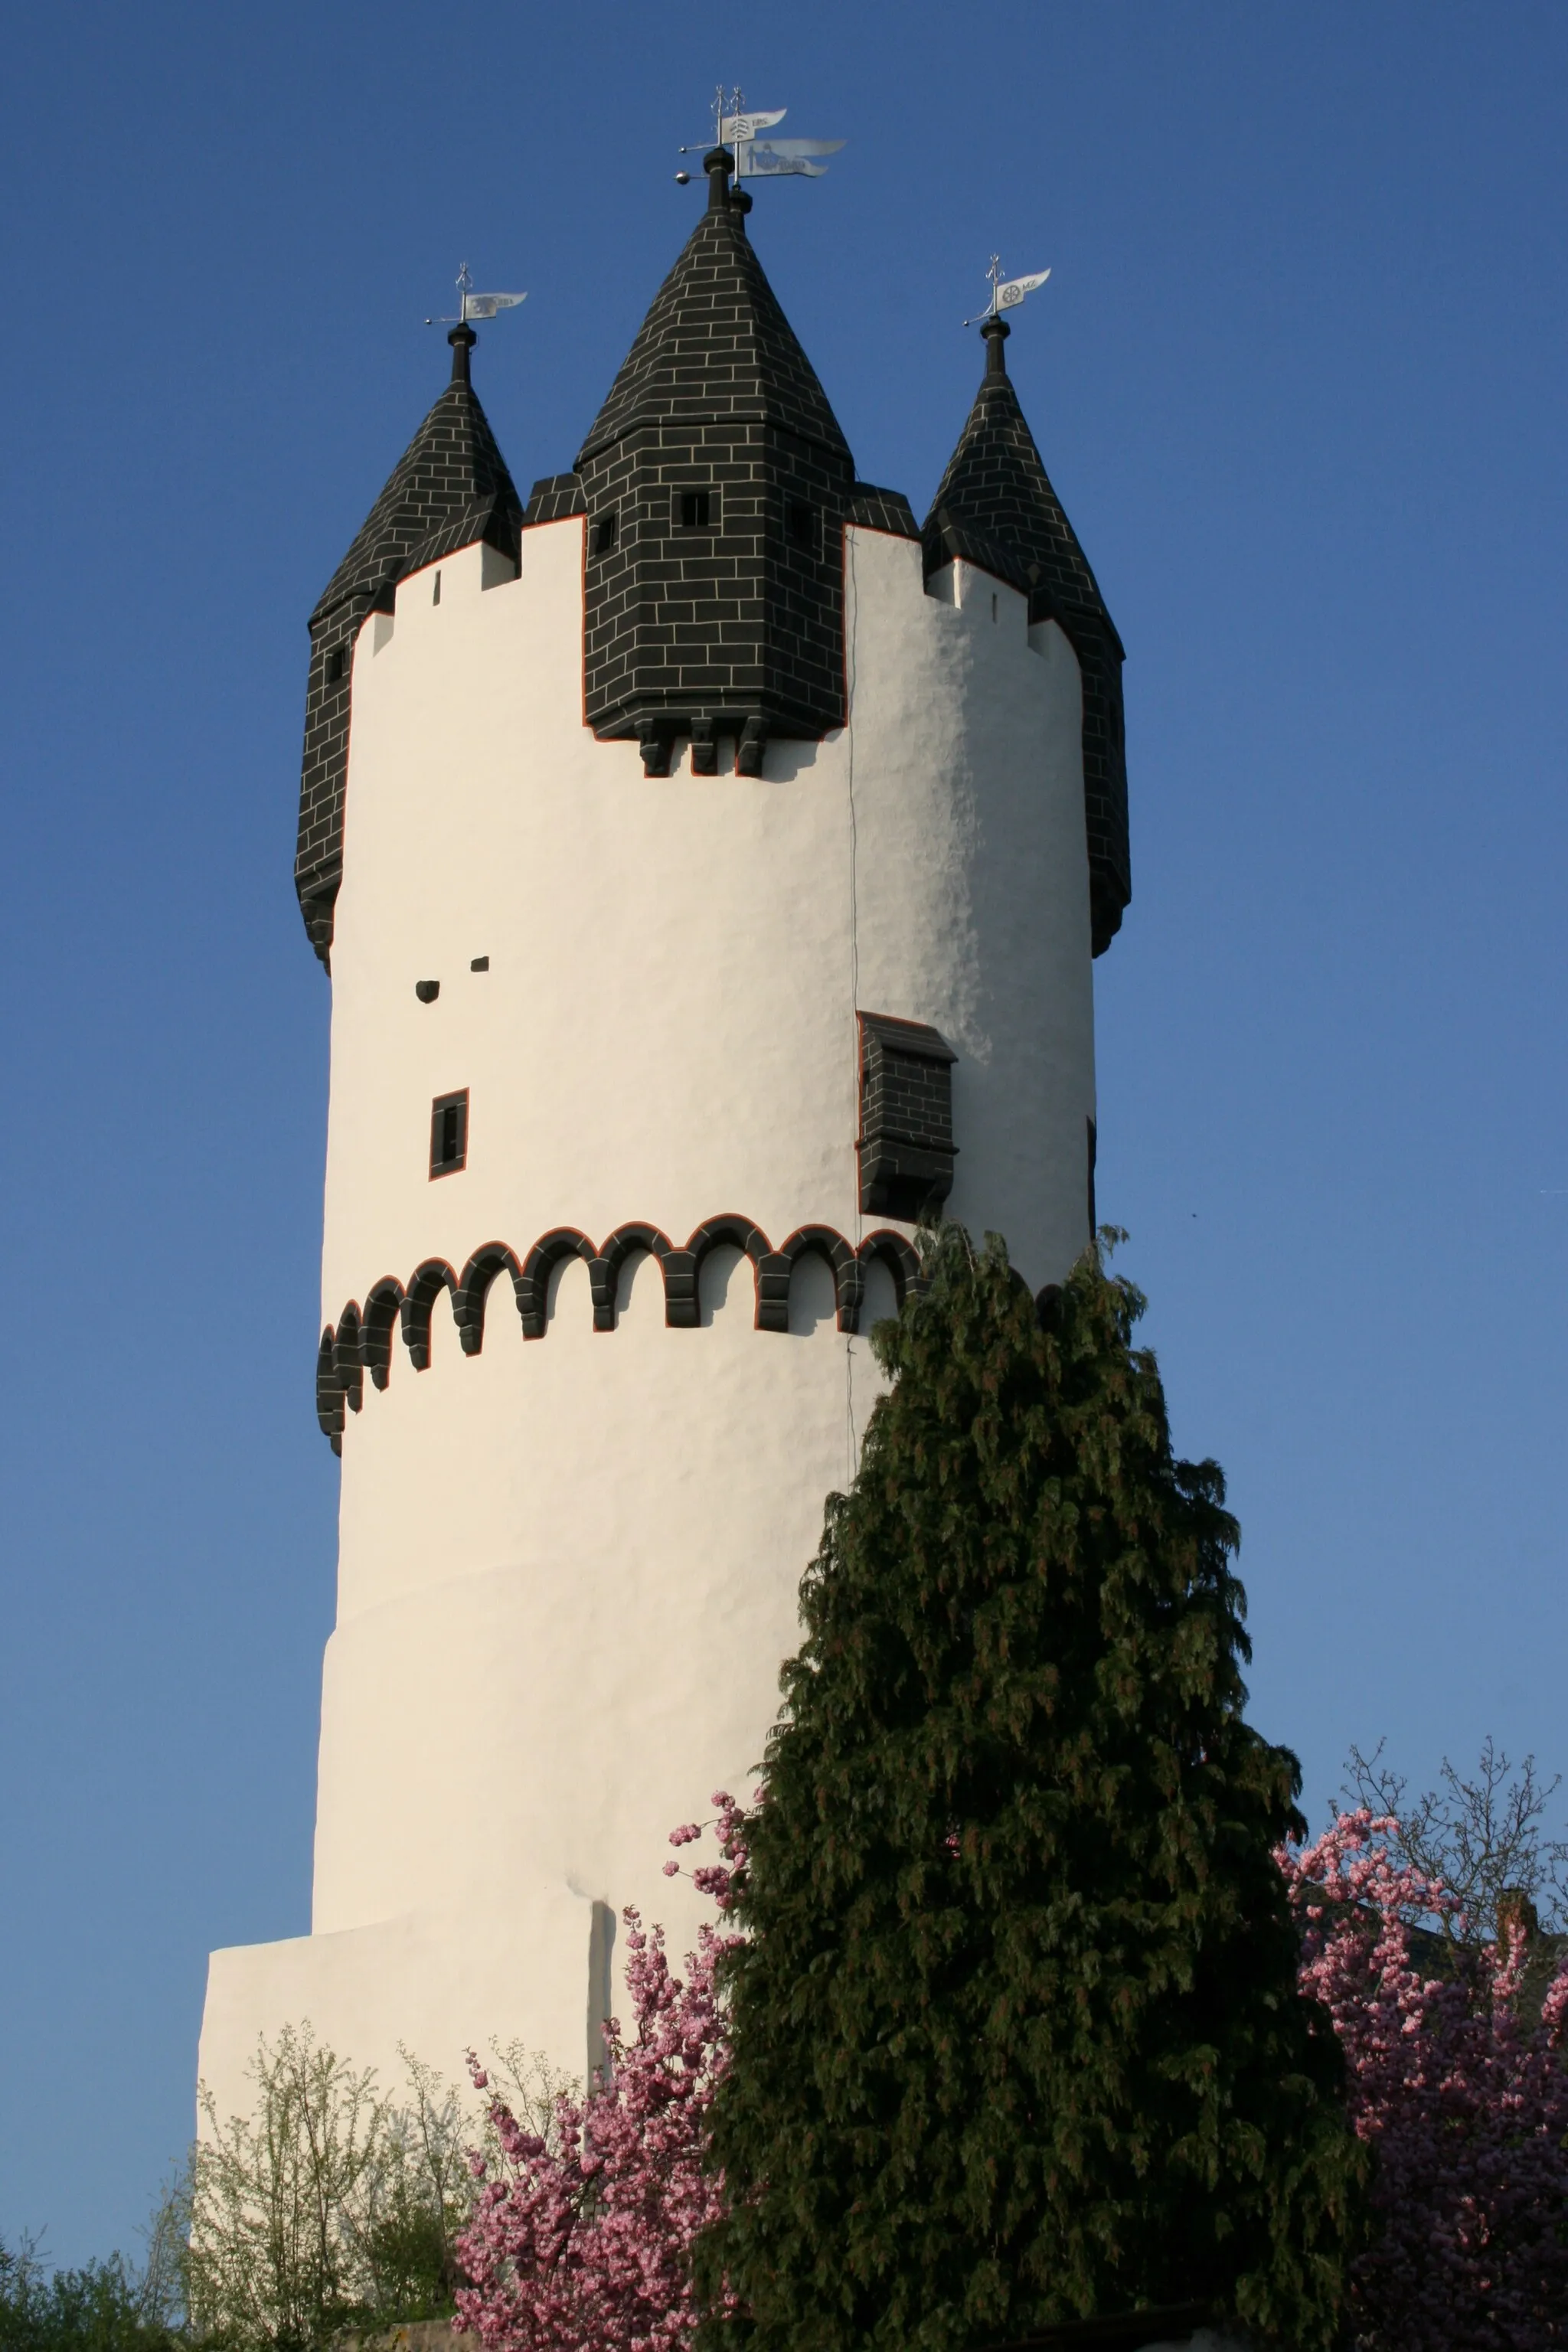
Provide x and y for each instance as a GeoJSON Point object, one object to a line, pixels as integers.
{"type": "Point", "coordinates": [1017, 2032]}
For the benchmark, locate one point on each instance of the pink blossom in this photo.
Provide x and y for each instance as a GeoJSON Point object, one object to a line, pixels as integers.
{"type": "Point", "coordinates": [583, 2247]}
{"type": "Point", "coordinates": [1465, 2101]}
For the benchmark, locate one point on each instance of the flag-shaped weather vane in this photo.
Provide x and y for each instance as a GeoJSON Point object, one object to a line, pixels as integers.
{"type": "Point", "coordinates": [1007, 293]}
{"type": "Point", "coordinates": [472, 306]}
{"type": "Point", "coordinates": [758, 156]}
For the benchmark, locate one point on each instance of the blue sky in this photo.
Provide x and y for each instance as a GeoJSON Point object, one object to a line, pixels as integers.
{"type": "Point", "coordinates": [1298, 377]}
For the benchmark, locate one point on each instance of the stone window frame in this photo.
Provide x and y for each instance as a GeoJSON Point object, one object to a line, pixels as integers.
{"type": "Point", "coordinates": [449, 1124]}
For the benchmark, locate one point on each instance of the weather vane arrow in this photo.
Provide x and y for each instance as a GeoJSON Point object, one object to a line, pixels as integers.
{"type": "Point", "coordinates": [471, 306]}
{"type": "Point", "coordinates": [1007, 293]}
{"type": "Point", "coordinates": [758, 157]}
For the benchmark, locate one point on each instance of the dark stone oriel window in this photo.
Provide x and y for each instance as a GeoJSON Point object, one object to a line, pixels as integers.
{"type": "Point", "coordinates": [605, 532]}
{"type": "Point", "coordinates": [800, 525]}
{"type": "Point", "coordinates": [906, 1146]}
{"type": "Point", "coordinates": [448, 1133]}
{"type": "Point", "coordinates": [694, 509]}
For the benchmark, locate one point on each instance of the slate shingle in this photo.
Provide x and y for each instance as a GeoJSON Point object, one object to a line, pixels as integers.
{"type": "Point", "coordinates": [737, 626]}
{"type": "Point", "coordinates": [449, 490]}
{"type": "Point", "coordinates": [996, 506]}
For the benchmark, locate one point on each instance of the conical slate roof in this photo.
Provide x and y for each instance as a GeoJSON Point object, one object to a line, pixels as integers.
{"type": "Point", "coordinates": [995, 489]}
{"type": "Point", "coordinates": [715, 345]}
{"type": "Point", "coordinates": [996, 506]}
{"type": "Point", "coordinates": [449, 489]}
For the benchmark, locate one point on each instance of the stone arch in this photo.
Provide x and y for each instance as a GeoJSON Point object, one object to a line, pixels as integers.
{"type": "Point", "coordinates": [378, 1318]}
{"type": "Point", "coordinates": [605, 1271]}
{"type": "Point", "coordinates": [752, 1243]}
{"type": "Point", "coordinates": [347, 1361]}
{"type": "Point", "coordinates": [899, 1259]}
{"type": "Point", "coordinates": [471, 1297]}
{"type": "Point", "coordinates": [822, 1240]}
{"type": "Point", "coordinates": [328, 1392]}
{"type": "Point", "coordinates": [425, 1286]}
{"type": "Point", "coordinates": [534, 1284]}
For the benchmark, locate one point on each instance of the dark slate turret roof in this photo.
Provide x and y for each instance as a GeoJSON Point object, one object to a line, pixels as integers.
{"type": "Point", "coordinates": [996, 508]}
{"type": "Point", "coordinates": [449, 490]}
{"type": "Point", "coordinates": [716, 344]}
{"type": "Point", "coordinates": [995, 505]}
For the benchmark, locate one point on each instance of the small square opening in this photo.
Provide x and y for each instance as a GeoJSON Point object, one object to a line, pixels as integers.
{"type": "Point", "coordinates": [604, 532]}
{"type": "Point", "coordinates": [337, 665]}
{"type": "Point", "coordinates": [695, 508]}
{"type": "Point", "coordinates": [800, 524]}
{"type": "Point", "coordinates": [449, 1133]}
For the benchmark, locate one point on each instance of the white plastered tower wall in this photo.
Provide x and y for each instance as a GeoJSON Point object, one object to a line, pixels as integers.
{"type": "Point", "coordinates": [569, 1566]}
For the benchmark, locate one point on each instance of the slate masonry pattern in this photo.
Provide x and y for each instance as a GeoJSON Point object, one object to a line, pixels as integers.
{"type": "Point", "coordinates": [996, 506]}
{"type": "Point", "coordinates": [906, 1144]}
{"type": "Point", "coordinates": [733, 625]}
{"type": "Point", "coordinates": [449, 490]}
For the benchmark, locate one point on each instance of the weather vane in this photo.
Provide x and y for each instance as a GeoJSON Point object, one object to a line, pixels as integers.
{"type": "Point", "coordinates": [1007, 293]}
{"type": "Point", "coordinates": [471, 306]}
{"type": "Point", "coordinates": [756, 157]}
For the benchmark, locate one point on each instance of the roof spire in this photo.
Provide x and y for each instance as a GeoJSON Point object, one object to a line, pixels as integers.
{"type": "Point", "coordinates": [994, 334]}
{"type": "Point", "coordinates": [462, 340]}
{"type": "Point", "coordinates": [718, 163]}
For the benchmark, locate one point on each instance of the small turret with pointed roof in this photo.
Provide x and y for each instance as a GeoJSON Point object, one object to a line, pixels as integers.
{"type": "Point", "coordinates": [715, 477]}
{"type": "Point", "coordinates": [995, 508]}
{"type": "Point", "coordinates": [449, 490]}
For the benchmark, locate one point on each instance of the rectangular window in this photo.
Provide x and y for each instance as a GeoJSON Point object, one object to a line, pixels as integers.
{"type": "Point", "coordinates": [800, 522]}
{"type": "Point", "coordinates": [604, 532]}
{"type": "Point", "coordinates": [906, 1147]}
{"type": "Point", "coordinates": [337, 663]}
{"type": "Point", "coordinates": [695, 508]}
{"type": "Point", "coordinates": [448, 1133]}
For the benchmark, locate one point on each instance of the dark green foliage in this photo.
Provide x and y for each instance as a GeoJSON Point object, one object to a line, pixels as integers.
{"type": "Point", "coordinates": [105, 2307]}
{"type": "Point", "coordinates": [1017, 2032]}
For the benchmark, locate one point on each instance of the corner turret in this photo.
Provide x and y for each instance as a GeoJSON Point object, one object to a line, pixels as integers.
{"type": "Point", "coordinates": [449, 490]}
{"type": "Point", "coordinates": [995, 508]}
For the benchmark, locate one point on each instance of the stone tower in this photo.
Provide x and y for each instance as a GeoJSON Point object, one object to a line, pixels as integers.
{"type": "Point", "coordinates": [708, 863]}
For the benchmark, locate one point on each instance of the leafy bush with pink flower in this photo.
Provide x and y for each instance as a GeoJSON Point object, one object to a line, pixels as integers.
{"type": "Point", "coordinates": [1458, 2088]}
{"type": "Point", "coordinates": [580, 2239]}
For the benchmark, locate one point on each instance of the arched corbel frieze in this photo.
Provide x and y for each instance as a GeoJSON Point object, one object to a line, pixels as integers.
{"type": "Point", "coordinates": [379, 1318]}
{"type": "Point", "coordinates": [895, 1252]}
{"type": "Point", "coordinates": [329, 1391]}
{"type": "Point", "coordinates": [604, 1270]}
{"type": "Point", "coordinates": [823, 1241]}
{"type": "Point", "coordinates": [736, 1232]}
{"type": "Point", "coordinates": [533, 1288]}
{"type": "Point", "coordinates": [362, 1339]}
{"type": "Point", "coordinates": [470, 1300]}
{"type": "Point", "coordinates": [425, 1285]}
{"type": "Point", "coordinates": [347, 1361]}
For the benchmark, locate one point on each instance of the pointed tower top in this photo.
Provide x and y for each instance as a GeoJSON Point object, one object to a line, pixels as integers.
{"type": "Point", "coordinates": [995, 489]}
{"type": "Point", "coordinates": [995, 508]}
{"type": "Point", "coordinates": [715, 343]}
{"type": "Point", "coordinates": [449, 489]}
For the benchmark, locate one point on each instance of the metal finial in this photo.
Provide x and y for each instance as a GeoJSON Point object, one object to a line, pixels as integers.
{"type": "Point", "coordinates": [1007, 293]}
{"type": "Point", "coordinates": [471, 306]}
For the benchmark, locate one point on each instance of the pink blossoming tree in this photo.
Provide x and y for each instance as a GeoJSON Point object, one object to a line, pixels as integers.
{"type": "Point", "coordinates": [579, 2243]}
{"type": "Point", "coordinates": [1460, 2090]}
